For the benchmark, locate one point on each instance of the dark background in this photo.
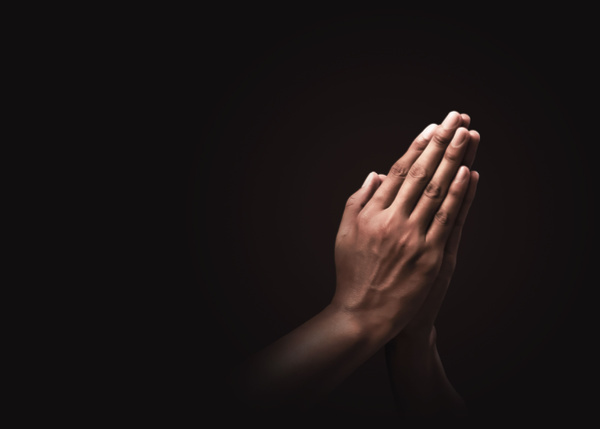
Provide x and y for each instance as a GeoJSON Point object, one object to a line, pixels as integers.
{"type": "Point", "coordinates": [279, 115]}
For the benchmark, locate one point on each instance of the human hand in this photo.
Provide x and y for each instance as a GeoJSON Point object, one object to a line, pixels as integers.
{"type": "Point", "coordinates": [422, 324]}
{"type": "Point", "coordinates": [395, 232]}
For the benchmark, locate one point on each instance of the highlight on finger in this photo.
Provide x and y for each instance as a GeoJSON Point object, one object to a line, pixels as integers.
{"type": "Point", "coordinates": [468, 200]}
{"type": "Point", "coordinates": [466, 120]}
{"type": "Point", "coordinates": [455, 236]}
{"type": "Point", "coordinates": [475, 137]}
{"type": "Point", "coordinates": [443, 220]}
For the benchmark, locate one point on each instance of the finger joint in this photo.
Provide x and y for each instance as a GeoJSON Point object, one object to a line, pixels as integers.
{"type": "Point", "coordinates": [433, 191]}
{"type": "Point", "coordinates": [452, 156]}
{"type": "Point", "coordinates": [442, 217]}
{"type": "Point", "coordinates": [440, 139]}
{"type": "Point", "coordinates": [399, 170]}
{"type": "Point", "coordinates": [418, 173]}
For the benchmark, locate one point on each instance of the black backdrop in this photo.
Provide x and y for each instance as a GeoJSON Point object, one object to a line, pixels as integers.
{"type": "Point", "coordinates": [278, 116]}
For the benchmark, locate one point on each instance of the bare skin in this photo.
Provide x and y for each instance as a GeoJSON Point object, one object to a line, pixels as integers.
{"type": "Point", "coordinates": [395, 253]}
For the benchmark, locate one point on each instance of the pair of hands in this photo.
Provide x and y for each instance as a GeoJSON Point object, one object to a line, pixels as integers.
{"type": "Point", "coordinates": [395, 254]}
{"type": "Point", "coordinates": [397, 243]}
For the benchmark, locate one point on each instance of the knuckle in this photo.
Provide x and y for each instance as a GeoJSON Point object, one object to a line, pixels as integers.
{"type": "Point", "coordinates": [399, 169]}
{"type": "Point", "coordinates": [443, 217]}
{"type": "Point", "coordinates": [452, 156]}
{"type": "Point", "coordinates": [363, 218]}
{"type": "Point", "coordinates": [439, 138]}
{"type": "Point", "coordinates": [373, 226]}
{"type": "Point", "coordinates": [411, 245]}
{"type": "Point", "coordinates": [385, 227]}
{"type": "Point", "coordinates": [421, 143]}
{"type": "Point", "coordinates": [433, 191]}
{"type": "Point", "coordinates": [429, 262]}
{"type": "Point", "coordinates": [418, 173]}
{"type": "Point", "coordinates": [351, 201]}
{"type": "Point", "coordinates": [455, 192]}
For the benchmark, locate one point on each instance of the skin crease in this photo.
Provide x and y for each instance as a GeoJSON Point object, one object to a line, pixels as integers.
{"type": "Point", "coordinates": [395, 254]}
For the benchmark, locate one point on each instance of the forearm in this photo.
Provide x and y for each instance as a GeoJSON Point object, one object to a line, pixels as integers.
{"type": "Point", "coordinates": [309, 362]}
{"type": "Point", "coordinates": [419, 382]}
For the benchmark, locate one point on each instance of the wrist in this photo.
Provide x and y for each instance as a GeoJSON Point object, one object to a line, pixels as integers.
{"type": "Point", "coordinates": [367, 327]}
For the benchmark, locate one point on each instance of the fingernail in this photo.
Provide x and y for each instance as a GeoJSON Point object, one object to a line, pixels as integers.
{"type": "Point", "coordinates": [428, 131]}
{"type": "Point", "coordinates": [462, 174]}
{"type": "Point", "coordinates": [368, 179]}
{"type": "Point", "coordinates": [451, 121]}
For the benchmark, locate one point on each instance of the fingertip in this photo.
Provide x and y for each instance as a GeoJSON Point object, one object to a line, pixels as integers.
{"type": "Point", "coordinates": [473, 185]}
{"type": "Point", "coordinates": [462, 174]}
{"type": "Point", "coordinates": [466, 119]}
{"type": "Point", "coordinates": [428, 131]}
{"type": "Point", "coordinates": [452, 120]}
{"type": "Point", "coordinates": [461, 135]}
{"type": "Point", "coordinates": [475, 134]}
{"type": "Point", "coordinates": [369, 179]}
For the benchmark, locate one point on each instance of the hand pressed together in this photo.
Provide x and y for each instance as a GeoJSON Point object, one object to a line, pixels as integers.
{"type": "Point", "coordinates": [399, 233]}
{"type": "Point", "coordinates": [395, 254]}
